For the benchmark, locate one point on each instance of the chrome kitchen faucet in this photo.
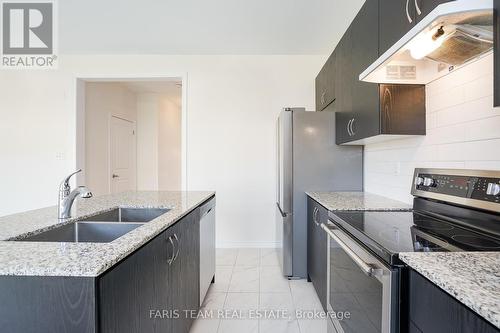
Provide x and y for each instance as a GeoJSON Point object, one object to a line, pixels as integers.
{"type": "Point", "coordinates": [67, 197]}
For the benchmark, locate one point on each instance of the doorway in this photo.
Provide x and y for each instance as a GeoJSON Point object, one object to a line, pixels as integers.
{"type": "Point", "coordinates": [131, 134]}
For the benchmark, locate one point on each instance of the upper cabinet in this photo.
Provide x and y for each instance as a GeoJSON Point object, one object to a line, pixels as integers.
{"type": "Point", "coordinates": [398, 17]}
{"type": "Point", "coordinates": [369, 111]}
{"type": "Point", "coordinates": [325, 84]}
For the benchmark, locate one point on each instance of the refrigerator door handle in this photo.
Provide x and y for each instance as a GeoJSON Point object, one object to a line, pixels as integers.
{"type": "Point", "coordinates": [280, 210]}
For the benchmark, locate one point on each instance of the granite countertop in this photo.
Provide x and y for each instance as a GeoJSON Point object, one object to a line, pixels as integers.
{"type": "Point", "coordinates": [85, 259]}
{"type": "Point", "coordinates": [473, 278]}
{"type": "Point", "coordinates": [356, 201]}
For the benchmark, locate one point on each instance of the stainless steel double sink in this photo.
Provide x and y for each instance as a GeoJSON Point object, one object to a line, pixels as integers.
{"type": "Point", "coordinates": [101, 228]}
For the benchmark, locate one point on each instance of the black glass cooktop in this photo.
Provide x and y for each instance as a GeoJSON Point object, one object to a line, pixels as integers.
{"type": "Point", "coordinates": [389, 233]}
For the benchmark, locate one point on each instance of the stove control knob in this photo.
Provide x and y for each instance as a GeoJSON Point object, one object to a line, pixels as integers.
{"type": "Point", "coordinates": [419, 181]}
{"type": "Point", "coordinates": [493, 189]}
{"type": "Point", "coordinates": [429, 182]}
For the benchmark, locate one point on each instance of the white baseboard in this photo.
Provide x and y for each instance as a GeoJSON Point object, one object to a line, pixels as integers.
{"type": "Point", "coordinates": [232, 245]}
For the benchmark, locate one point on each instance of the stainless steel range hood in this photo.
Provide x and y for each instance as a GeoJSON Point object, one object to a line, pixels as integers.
{"type": "Point", "coordinates": [451, 36]}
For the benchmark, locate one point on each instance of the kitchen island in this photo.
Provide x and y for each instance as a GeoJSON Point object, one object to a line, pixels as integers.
{"type": "Point", "coordinates": [145, 280]}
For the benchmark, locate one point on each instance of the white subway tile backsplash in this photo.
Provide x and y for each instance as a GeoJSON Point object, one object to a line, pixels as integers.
{"type": "Point", "coordinates": [463, 131]}
{"type": "Point", "coordinates": [484, 129]}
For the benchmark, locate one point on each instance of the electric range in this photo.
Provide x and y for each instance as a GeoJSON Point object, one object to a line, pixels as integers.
{"type": "Point", "coordinates": [453, 210]}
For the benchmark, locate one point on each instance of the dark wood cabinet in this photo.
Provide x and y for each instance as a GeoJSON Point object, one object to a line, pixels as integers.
{"type": "Point", "coordinates": [325, 84]}
{"type": "Point", "coordinates": [154, 289]}
{"type": "Point", "coordinates": [395, 21]}
{"type": "Point", "coordinates": [432, 310]}
{"type": "Point", "coordinates": [364, 49]}
{"type": "Point", "coordinates": [366, 110]}
{"type": "Point", "coordinates": [496, 52]}
{"type": "Point", "coordinates": [184, 272]}
{"type": "Point", "coordinates": [135, 287]}
{"type": "Point", "coordinates": [317, 249]}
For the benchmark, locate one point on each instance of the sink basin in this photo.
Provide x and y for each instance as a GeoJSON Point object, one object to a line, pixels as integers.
{"type": "Point", "coordinates": [84, 232]}
{"type": "Point", "coordinates": [140, 215]}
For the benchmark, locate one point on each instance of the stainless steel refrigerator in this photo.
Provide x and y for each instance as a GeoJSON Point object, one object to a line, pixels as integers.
{"type": "Point", "coordinates": [308, 160]}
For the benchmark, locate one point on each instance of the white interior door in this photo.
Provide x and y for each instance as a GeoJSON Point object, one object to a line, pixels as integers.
{"type": "Point", "coordinates": [123, 155]}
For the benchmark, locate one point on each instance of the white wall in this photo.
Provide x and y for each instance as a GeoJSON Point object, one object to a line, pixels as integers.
{"type": "Point", "coordinates": [232, 104]}
{"type": "Point", "coordinates": [103, 100]}
{"type": "Point", "coordinates": [169, 146]}
{"type": "Point", "coordinates": [159, 142]}
{"type": "Point", "coordinates": [147, 142]}
{"type": "Point", "coordinates": [463, 131]}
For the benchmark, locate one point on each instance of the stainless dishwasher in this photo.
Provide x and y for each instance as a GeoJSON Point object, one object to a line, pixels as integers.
{"type": "Point", "coordinates": [207, 247]}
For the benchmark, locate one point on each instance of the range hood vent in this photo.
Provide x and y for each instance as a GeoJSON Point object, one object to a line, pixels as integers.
{"type": "Point", "coordinates": [451, 36]}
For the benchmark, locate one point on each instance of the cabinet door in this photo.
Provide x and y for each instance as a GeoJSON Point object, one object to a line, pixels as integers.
{"type": "Point", "coordinates": [397, 17]}
{"type": "Point", "coordinates": [344, 73]}
{"type": "Point", "coordinates": [184, 272]}
{"type": "Point", "coordinates": [134, 294]}
{"type": "Point", "coordinates": [325, 84]}
{"type": "Point", "coordinates": [425, 7]}
{"type": "Point", "coordinates": [343, 122]}
{"type": "Point", "coordinates": [320, 255]}
{"type": "Point", "coordinates": [317, 249]}
{"type": "Point", "coordinates": [365, 95]}
{"type": "Point", "coordinates": [432, 310]}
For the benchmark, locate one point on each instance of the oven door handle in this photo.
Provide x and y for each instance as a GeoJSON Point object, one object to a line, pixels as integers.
{"type": "Point", "coordinates": [365, 267]}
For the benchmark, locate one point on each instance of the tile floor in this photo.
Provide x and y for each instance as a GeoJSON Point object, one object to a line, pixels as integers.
{"type": "Point", "coordinates": [249, 283]}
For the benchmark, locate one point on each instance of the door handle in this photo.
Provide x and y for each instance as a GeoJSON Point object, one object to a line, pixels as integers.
{"type": "Point", "coordinates": [366, 268]}
{"type": "Point", "coordinates": [178, 247]}
{"type": "Point", "coordinates": [171, 259]}
{"type": "Point", "coordinates": [419, 12]}
{"type": "Point", "coordinates": [115, 176]}
{"type": "Point", "coordinates": [323, 98]}
{"type": "Point", "coordinates": [408, 11]}
{"type": "Point", "coordinates": [349, 128]}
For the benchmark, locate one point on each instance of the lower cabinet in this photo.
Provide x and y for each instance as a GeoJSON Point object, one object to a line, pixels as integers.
{"type": "Point", "coordinates": [157, 287]}
{"type": "Point", "coordinates": [317, 249]}
{"type": "Point", "coordinates": [431, 309]}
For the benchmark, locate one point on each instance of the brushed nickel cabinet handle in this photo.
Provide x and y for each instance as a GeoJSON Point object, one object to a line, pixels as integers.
{"type": "Point", "coordinates": [408, 11]}
{"type": "Point", "coordinates": [171, 259]}
{"type": "Point", "coordinates": [419, 12]}
{"type": "Point", "coordinates": [352, 126]}
{"type": "Point", "coordinates": [315, 215]}
{"type": "Point", "coordinates": [349, 128]}
{"type": "Point", "coordinates": [178, 247]}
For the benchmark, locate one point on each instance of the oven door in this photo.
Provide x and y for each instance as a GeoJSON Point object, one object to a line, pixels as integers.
{"type": "Point", "coordinates": [363, 293]}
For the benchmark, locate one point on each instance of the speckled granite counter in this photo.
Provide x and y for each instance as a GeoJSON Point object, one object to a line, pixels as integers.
{"type": "Point", "coordinates": [473, 278]}
{"type": "Point", "coordinates": [85, 259]}
{"type": "Point", "coordinates": [356, 201]}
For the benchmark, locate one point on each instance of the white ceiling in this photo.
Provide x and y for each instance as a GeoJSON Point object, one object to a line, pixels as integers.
{"type": "Point", "coordinates": [203, 27]}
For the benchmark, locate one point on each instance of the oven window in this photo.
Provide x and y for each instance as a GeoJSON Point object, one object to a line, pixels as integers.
{"type": "Point", "coordinates": [354, 295]}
